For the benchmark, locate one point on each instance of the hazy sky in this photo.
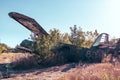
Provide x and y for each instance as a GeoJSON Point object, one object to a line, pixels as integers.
{"type": "Point", "coordinates": [103, 15]}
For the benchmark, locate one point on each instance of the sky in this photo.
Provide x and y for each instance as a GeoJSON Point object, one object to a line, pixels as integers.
{"type": "Point", "coordinates": [103, 15]}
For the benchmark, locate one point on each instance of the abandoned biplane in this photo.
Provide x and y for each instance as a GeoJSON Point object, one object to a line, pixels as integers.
{"type": "Point", "coordinates": [99, 47]}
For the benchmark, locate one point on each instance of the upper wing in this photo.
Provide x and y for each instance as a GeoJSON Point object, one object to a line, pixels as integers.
{"type": "Point", "coordinates": [29, 23]}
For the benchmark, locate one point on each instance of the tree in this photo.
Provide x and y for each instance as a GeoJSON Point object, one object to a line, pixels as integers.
{"type": "Point", "coordinates": [50, 51]}
{"type": "Point", "coordinates": [77, 36]}
{"type": "Point", "coordinates": [55, 37]}
{"type": "Point", "coordinates": [44, 45]}
{"type": "Point", "coordinates": [65, 38]}
{"type": "Point", "coordinates": [90, 38]}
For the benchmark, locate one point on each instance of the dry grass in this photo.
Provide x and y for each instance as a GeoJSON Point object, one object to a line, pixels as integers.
{"type": "Point", "coordinates": [9, 57]}
{"type": "Point", "coordinates": [6, 57]}
{"type": "Point", "coordinates": [101, 71]}
{"type": "Point", "coordinates": [19, 61]}
{"type": "Point", "coordinates": [24, 61]}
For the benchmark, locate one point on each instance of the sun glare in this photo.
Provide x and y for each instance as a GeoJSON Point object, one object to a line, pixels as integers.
{"type": "Point", "coordinates": [113, 12]}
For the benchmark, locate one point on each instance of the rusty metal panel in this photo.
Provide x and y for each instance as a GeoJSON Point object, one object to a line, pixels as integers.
{"type": "Point", "coordinates": [29, 23]}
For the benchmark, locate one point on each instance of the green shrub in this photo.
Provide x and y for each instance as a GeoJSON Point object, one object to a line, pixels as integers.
{"type": "Point", "coordinates": [57, 48]}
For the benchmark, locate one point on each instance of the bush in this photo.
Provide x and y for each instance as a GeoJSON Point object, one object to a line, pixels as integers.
{"type": "Point", "coordinates": [3, 47]}
{"type": "Point", "coordinates": [69, 52]}
{"type": "Point", "coordinates": [51, 51]}
{"type": "Point", "coordinates": [24, 61]}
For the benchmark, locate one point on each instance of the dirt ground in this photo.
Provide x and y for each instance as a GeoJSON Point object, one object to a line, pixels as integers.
{"type": "Point", "coordinates": [98, 70]}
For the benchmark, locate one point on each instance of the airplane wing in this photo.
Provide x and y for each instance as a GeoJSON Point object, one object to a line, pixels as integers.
{"type": "Point", "coordinates": [29, 23]}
